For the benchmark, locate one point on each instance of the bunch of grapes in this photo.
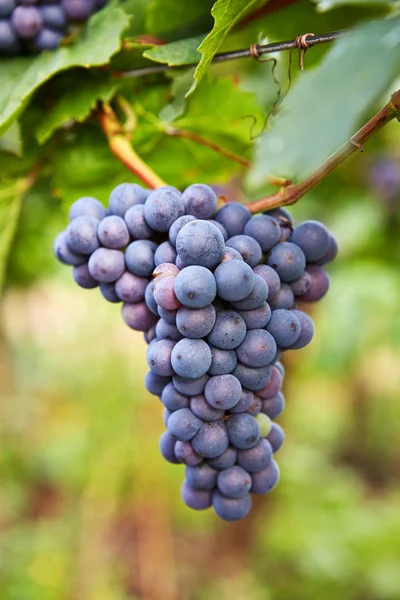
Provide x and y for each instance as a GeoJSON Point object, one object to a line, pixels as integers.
{"type": "Point", "coordinates": [34, 25]}
{"type": "Point", "coordinates": [215, 293]}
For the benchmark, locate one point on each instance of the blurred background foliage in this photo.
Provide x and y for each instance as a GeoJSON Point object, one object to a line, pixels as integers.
{"type": "Point", "coordinates": [88, 508]}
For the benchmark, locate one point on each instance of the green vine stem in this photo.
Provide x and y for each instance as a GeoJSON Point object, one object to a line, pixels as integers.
{"type": "Point", "coordinates": [120, 146]}
{"type": "Point", "coordinates": [292, 193]}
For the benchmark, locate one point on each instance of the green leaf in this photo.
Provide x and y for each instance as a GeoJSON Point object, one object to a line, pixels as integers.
{"type": "Point", "coordinates": [183, 52]}
{"type": "Point", "coordinates": [21, 77]}
{"type": "Point", "coordinates": [75, 105]}
{"type": "Point", "coordinates": [325, 104]}
{"type": "Point", "coordinates": [325, 5]}
{"type": "Point", "coordinates": [173, 20]}
{"type": "Point", "coordinates": [10, 208]}
{"type": "Point", "coordinates": [226, 13]}
{"type": "Point", "coordinates": [11, 141]}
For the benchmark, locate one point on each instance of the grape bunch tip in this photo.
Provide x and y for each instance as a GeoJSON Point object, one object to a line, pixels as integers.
{"type": "Point", "coordinates": [215, 293]}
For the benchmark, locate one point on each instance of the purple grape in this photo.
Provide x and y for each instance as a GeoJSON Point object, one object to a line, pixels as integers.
{"type": "Point", "coordinates": [185, 454]}
{"type": "Point", "coordinates": [200, 243]}
{"type": "Point", "coordinates": [136, 223]}
{"type": "Point", "coordinates": [270, 277]}
{"type": "Point", "coordinates": [106, 265]}
{"type": "Point", "coordinates": [301, 285]}
{"type": "Point", "coordinates": [47, 39]}
{"type": "Point", "coordinates": [138, 316]}
{"type": "Point", "coordinates": [256, 458]}
{"type": "Point", "coordinates": [195, 287]}
{"type": "Point", "coordinates": [165, 253]}
{"type": "Point", "coordinates": [150, 335]}
{"type": "Point", "coordinates": [230, 254]}
{"type": "Point", "coordinates": [256, 298]}
{"type": "Point", "coordinates": [81, 235]}
{"type": "Point", "coordinates": [167, 448]}
{"type": "Point", "coordinates": [200, 201]}
{"type": "Point", "coordinates": [233, 216]}
{"type": "Point", "coordinates": [276, 437]}
{"type": "Point", "coordinates": [306, 330]}
{"type": "Point", "coordinates": [246, 400]}
{"type": "Point", "coordinates": [265, 230]}
{"type": "Point", "coordinates": [313, 238]}
{"type": "Point", "coordinates": [87, 207]}
{"type": "Point", "coordinates": [284, 298]}
{"type": "Point", "coordinates": [113, 232]}
{"type": "Point", "coordinates": [64, 254]}
{"type": "Point", "coordinates": [108, 292]}
{"type": "Point", "coordinates": [225, 460]}
{"type": "Point", "coordinates": [139, 257]}
{"type": "Point", "coordinates": [83, 277]}
{"type": "Point", "coordinates": [80, 10]}
{"type": "Point", "coordinates": [228, 332]}
{"type": "Point", "coordinates": [164, 293]}
{"type": "Point", "coordinates": [243, 431]}
{"type": "Point", "coordinates": [162, 208]}
{"type": "Point", "coordinates": [195, 323]}
{"type": "Point", "coordinates": [167, 315]}
{"type": "Point", "coordinates": [264, 481]}
{"type": "Point", "coordinates": [202, 409]}
{"type": "Point", "coordinates": [158, 357]}
{"type": "Point", "coordinates": [284, 326]}
{"type": "Point", "coordinates": [330, 254]}
{"type": "Point", "coordinates": [131, 288]}
{"type": "Point", "coordinates": [6, 8]}
{"type": "Point", "coordinates": [288, 260]}
{"type": "Point", "coordinates": [165, 270]}
{"type": "Point", "coordinates": [223, 391]}
{"type": "Point", "coordinates": [258, 318]}
{"type": "Point", "coordinates": [201, 477]}
{"type": "Point", "coordinates": [257, 349]}
{"type": "Point", "coordinates": [234, 482]}
{"type": "Point", "coordinates": [255, 407]}
{"type": "Point", "coordinates": [273, 386]}
{"type": "Point", "coordinates": [222, 361]}
{"type": "Point", "coordinates": [166, 331]}
{"type": "Point", "coordinates": [9, 43]}
{"type": "Point", "coordinates": [172, 399]}
{"type": "Point", "coordinates": [221, 228]}
{"type": "Point", "coordinates": [190, 387]}
{"type": "Point", "coordinates": [183, 425]}
{"type": "Point", "coordinates": [252, 378]}
{"type": "Point", "coordinates": [196, 499]}
{"type": "Point", "coordinates": [177, 226]}
{"type": "Point", "coordinates": [211, 440]}
{"type": "Point", "coordinates": [149, 298]}
{"type": "Point", "coordinates": [27, 21]}
{"type": "Point", "coordinates": [319, 284]}
{"type": "Point", "coordinates": [191, 358]}
{"type": "Point", "coordinates": [53, 16]}
{"type": "Point", "coordinates": [273, 407]}
{"type": "Point", "coordinates": [249, 248]}
{"type": "Point", "coordinates": [231, 509]}
{"type": "Point", "coordinates": [235, 280]}
{"type": "Point", "coordinates": [155, 383]}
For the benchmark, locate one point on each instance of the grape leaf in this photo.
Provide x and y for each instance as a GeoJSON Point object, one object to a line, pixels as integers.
{"type": "Point", "coordinates": [226, 13]}
{"type": "Point", "coordinates": [324, 106]}
{"type": "Point", "coordinates": [10, 208]}
{"type": "Point", "coordinates": [182, 52]}
{"type": "Point", "coordinates": [22, 76]}
{"type": "Point", "coordinates": [324, 5]}
{"type": "Point", "coordinates": [75, 104]}
{"type": "Point", "coordinates": [173, 20]}
{"type": "Point", "coordinates": [11, 141]}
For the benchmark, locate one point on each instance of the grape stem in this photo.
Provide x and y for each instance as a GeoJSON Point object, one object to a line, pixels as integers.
{"type": "Point", "coordinates": [120, 146]}
{"type": "Point", "coordinates": [292, 193]}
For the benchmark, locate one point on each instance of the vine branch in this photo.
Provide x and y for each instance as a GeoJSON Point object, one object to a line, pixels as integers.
{"type": "Point", "coordinates": [291, 193]}
{"type": "Point", "coordinates": [120, 146]}
{"type": "Point", "coordinates": [256, 50]}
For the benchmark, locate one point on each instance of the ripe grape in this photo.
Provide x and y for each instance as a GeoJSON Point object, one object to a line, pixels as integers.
{"type": "Point", "coordinates": [113, 232]}
{"type": "Point", "coordinates": [228, 332]}
{"type": "Point", "coordinates": [172, 399]}
{"type": "Point", "coordinates": [285, 327]}
{"type": "Point", "coordinates": [202, 409]}
{"type": "Point", "coordinates": [274, 406]}
{"type": "Point", "coordinates": [288, 260]}
{"type": "Point", "coordinates": [235, 280]}
{"type": "Point", "coordinates": [265, 230]}
{"type": "Point", "coordinates": [162, 208]}
{"type": "Point", "coordinates": [185, 454]}
{"type": "Point", "coordinates": [195, 323]}
{"type": "Point", "coordinates": [243, 430]}
{"type": "Point", "coordinates": [223, 391]}
{"type": "Point", "coordinates": [195, 287]}
{"type": "Point", "coordinates": [231, 509]}
{"type": "Point", "coordinates": [183, 425]}
{"type": "Point", "coordinates": [201, 477]}
{"type": "Point", "coordinates": [234, 482]}
{"type": "Point", "coordinates": [131, 288]}
{"type": "Point", "coordinates": [222, 361]}
{"type": "Point", "coordinates": [276, 437]}
{"type": "Point", "coordinates": [257, 349]}
{"type": "Point", "coordinates": [191, 358]}
{"type": "Point", "coordinates": [256, 458]}
{"type": "Point", "coordinates": [211, 440]}
{"type": "Point", "coordinates": [248, 248]}
{"type": "Point", "coordinates": [313, 238]}
{"type": "Point", "coordinates": [225, 460]}
{"type": "Point", "coordinates": [233, 216]}
{"type": "Point", "coordinates": [138, 316]}
{"type": "Point", "coordinates": [264, 481]}
{"type": "Point", "coordinates": [200, 201]}
{"type": "Point", "coordinates": [200, 243]}
{"type": "Point", "coordinates": [167, 448]}
{"type": "Point", "coordinates": [256, 298]}
{"type": "Point", "coordinates": [106, 265]}
{"type": "Point", "coordinates": [195, 499]}
{"type": "Point", "coordinates": [159, 357]}
{"type": "Point", "coordinates": [81, 235]}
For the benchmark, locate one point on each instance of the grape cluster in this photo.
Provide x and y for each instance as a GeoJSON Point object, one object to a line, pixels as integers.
{"type": "Point", "coordinates": [34, 25]}
{"type": "Point", "coordinates": [215, 293]}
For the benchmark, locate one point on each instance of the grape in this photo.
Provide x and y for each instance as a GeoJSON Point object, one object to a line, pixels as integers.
{"type": "Point", "coordinates": [306, 330]}
{"type": "Point", "coordinates": [255, 407]}
{"type": "Point", "coordinates": [273, 386]}
{"type": "Point", "coordinates": [195, 287]}
{"type": "Point", "coordinates": [150, 335]}
{"type": "Point", "coordinates": [177, 226]}
{"type": "Point", "coordinates": [319, 284]}
{"type": "Point", "coordinates": [195, 323]}
{"type": "Point", "coordinates": [228, 332]}
{"type": "Point", "coordinates": [258, 318]}
{"type": "Point", "coordinates": [87, 207]}
{"type": "Point", "coordinates": [273, 407]}
{"type": "Point", "coordinates": [149, 298]}
{"type": "Point", "coordinates": [211, 440]}
{"type": "Point", "coordinates": [313, 238]}
{"type": "Point", "coordinates": [221, 228]}
{"type": "Point", "coordinates": [276, 437]}
{"type": "Point", "coordinates": [183, 425]}
{"type": "Point", "coordinates": [165, 253]}
{"type": "Point", "coordinates": [191, 358]}
{"type": "Point", "coordinates": [257, 349]}
{"type": "Point", "coordinates": [265, 230]}
{"type": "Point", "coordinates": [201, 477]}
{"type": "Point", "coordinates": [167, 448]}
{"type": "Point", "coordinates": [230, 254]}
{"type": "Point", "coordinates": [167, 315]}
{"type": "Point", "coordinates": [284, 325]}
{"type": "Point", "coordinates": [47, 39]}
{"type": "Point", "coordinates": [81, 10]}
{"type": "Point", "coordinates": [64, 254]}
{"type": "Point", "coordinates": [139, 257]}
{"type": "Point", "coordinates": [223, 391]}
{"type": "Point", "coordinates": [108, 292]}
{"type": "Point", "coordinates": [200, 200]}
{"type": "Point", "coordinates": [252, 378]}
{"type": "Point", "coordinates": [185, 454]}
{"type": "Point", "coordinates": [284, 298]}
{"type": "Point", "coordinates": [165, 270]}
{"type": "Point", "coordinates": [247, 247]}
{"type": "Point", "coordinates": [54, 16]}
{"type": "Point", "coordinates": [172, 399]}
{"type": "Point", "coordinates": [282, 216]}
{"type": "Point", "coordinates": [113, 232]}
{"type": "Point", "coordinates": [190, 387]}
{"type": "Point", "coordinates": [131, 288]}
{"type": "Point", "coordinates": [136, 223]}
{"type": "Point", "coordinates": [225, 460]}
{"type": "Point", "coordinates": [270, 277]}
{"type": "Point", "coordinates": [202, 409]}
{"type": "Point", "coordinates": [234, 482]}
{"type": "Point", "coordinates": [256, 458]}
{"type": "Point", "coordinates": [200, 243]}
{"type": "Point", "coordinates": [330, 254]}
{"type": "Point", "coordinates": [81, 235]}
{"type": "Point", "coordinates": [155, 383]}
{"type": "Point", "coordinates": [162, 208]}
{"type": "Point", "coordinates": [243, 431]}
{"type": "Point", "coordinates": [280, 368]}
{"type": "Point", "coordinates": [166, 331]}
{"type": "Point", "coordinates": [256, 298]}
{"type": "Point", "coordinates": [222, 361]}
{"type": "Point", "coordinates": [233, 217]}
{"type": "Point", "coordinates": [106, 265]}
{"type": "Point", "coordinates": [83, 277]}
{"type": "Point", "coordinates": [301, 285]}
{"type": "Point", "coordinates": [8, 40]}
{"type": "Point", "coordinates": [288, 260]}
{"type": "Point", "coordinates": [138, 316]}
{"type": "Point", "coordinates": [231, 509]}
{"type": "Point", "coordinates": [124, 196]}
{"type": "Point", "coordinates": [246, 400]}
{"type": "Point", "coordinates": [265, 424]}
{"type": "Point", "coordinates": [158, 357]}
{"type": "Point", "coordinates": [235, 280]}
{"type": "Point", "coordinates": [195, 499]}
{"type": "Point", "coordinates": [27, 21]}
{"type": "Point", "coordinates": [264, 481]}
{"type": "Point", "coordinates": [6, 7]}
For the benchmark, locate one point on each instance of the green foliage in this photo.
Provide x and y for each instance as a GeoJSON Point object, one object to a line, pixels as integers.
{"type": "Point", "coordinates": [10, 207]}
{"type": "Point", "coordinates": [183, 52]}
